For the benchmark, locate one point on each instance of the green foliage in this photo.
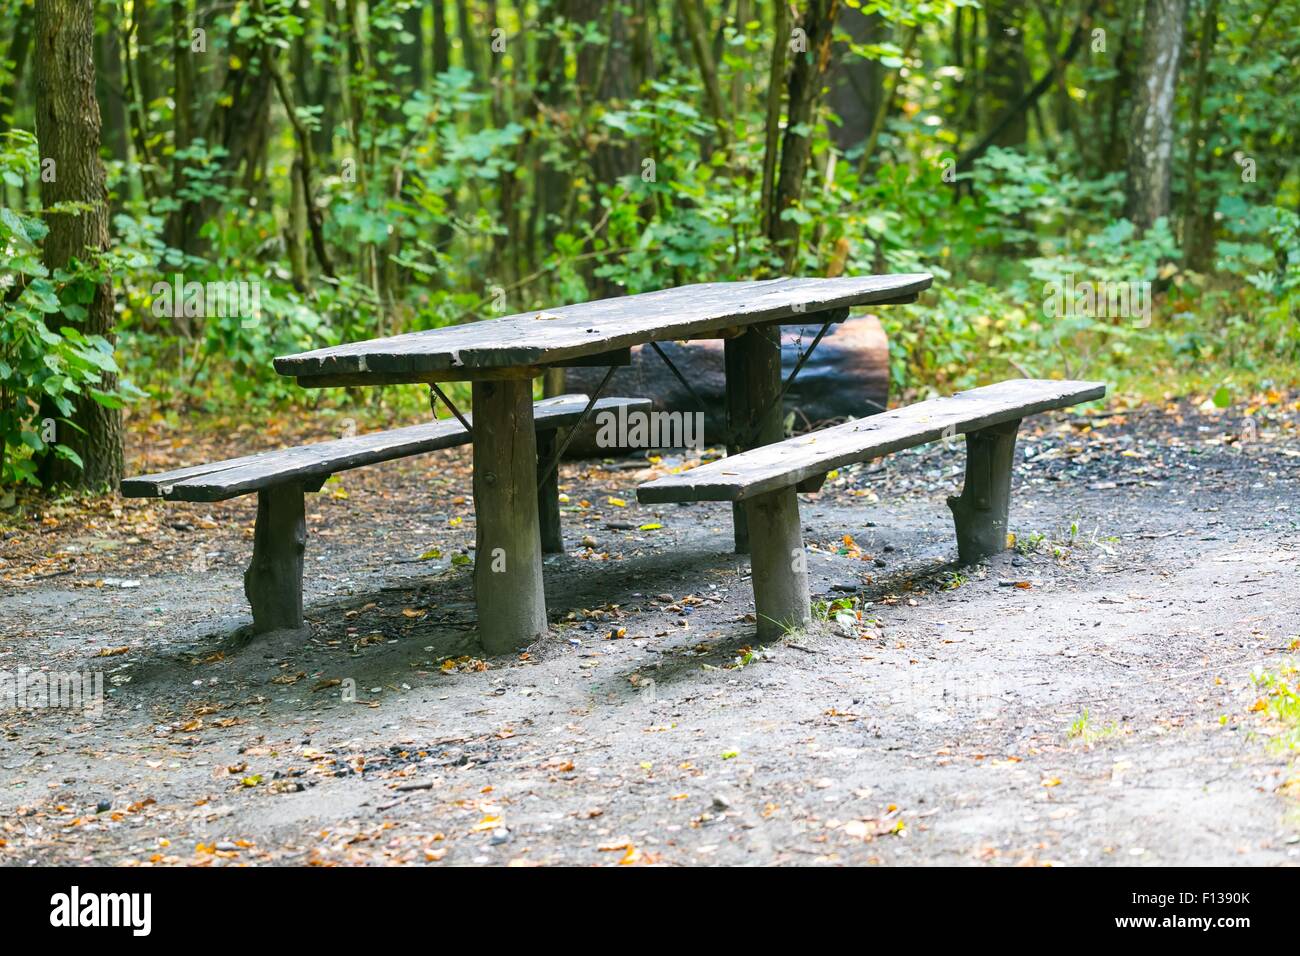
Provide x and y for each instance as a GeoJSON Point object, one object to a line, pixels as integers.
{"type": "Point", "coordinates": [45, 362]}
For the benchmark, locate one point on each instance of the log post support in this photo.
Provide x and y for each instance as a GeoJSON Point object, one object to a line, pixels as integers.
{"type": "Point", "coordinates": [508, 559]}
{"type": "Point", "coordinates": [752, 361]}
{"type": "Point", "coordinates": [273, 581]}
{"type": "Point", "coordinates": [778, 562]}
{"type": "Point", "coordinates": [548, 494]}
{"type": "Point", "coordinates": [980, 513]}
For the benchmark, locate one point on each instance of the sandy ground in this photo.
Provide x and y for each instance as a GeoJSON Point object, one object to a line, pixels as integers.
{"type": "Point", "coordinates": [1084, 699]}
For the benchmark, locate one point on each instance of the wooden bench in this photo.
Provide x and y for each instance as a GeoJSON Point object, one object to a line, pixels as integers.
{"type": "Point", "coordinates": [767, 478]}
{"type": "Point", "coordinates": [273, 581]}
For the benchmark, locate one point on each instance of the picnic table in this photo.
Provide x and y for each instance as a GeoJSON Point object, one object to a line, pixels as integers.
{"type": "Point", "coordinates": [500, 358]}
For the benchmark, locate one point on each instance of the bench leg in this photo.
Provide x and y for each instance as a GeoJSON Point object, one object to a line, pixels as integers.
{"type": "Point", "coordinates": [752, 361]}
{"type": "Point", "coordinates": [780, 566]}
{"type": "Point", "coordinates": [273, 581]}
{"type": "Point", "coordinates": [548, 495]}
{"type": "Point", "coordinates": [508, 560]}
{"type": "Point", "coordinates": [980, 513]}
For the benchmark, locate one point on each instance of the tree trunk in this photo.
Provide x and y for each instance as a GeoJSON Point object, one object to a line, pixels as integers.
{"type": "Point", "coordinates": [147, 22]}
{"type": "Point", "coordinates": [550, 182]}
{"type": "Point", "coordinates": [296, 230]}
{"type": "Point", "coordinates": [1114, 156]}
{"type": "Point", "coordinates": [806, 76]}
{"type": "Point", "coordinates": [1016, 115]}
{"type": "Point", "coordinates": [18, 48]}
{"type": "Point", "coordinates": [1004, 71]}
{"type": "Point", "coordinates": [603, 75]}
{"type": "Point", "coordinates": [441, 46]}
{"type": "Point", "coordinates": [411, 55]}
{"type": "Point", "coordinates": [1151, 142]}
{"type": "Point", "coordinates": [698, 31]}
{"type": "Point", "coordinates": [772, 127]}
{"type": "Point", "coordinates": [885, 103]}
{"type": "Point", "coordinates": [67, 130]}
{"type": "Point", "coordinates": [643, 49]}
{"type": "Point", "coordinates": [470, 42]}
{"type": "Point", "coordinates": [856, 83]}
{"type": "Point", "coordinates": [135, 69]}
{"type": "Point", "coordinates": [306, 166]}
{"type": "Point", "coordinates": [179, 223]}
{"type": "Point", "coordinates": [108, 87]}
{"type": "Point", "coordinates": [1198, 216]}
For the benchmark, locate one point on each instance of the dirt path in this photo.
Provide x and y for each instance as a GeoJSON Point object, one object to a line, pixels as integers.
{"type": "Point", "coordinates": [1084, 700]}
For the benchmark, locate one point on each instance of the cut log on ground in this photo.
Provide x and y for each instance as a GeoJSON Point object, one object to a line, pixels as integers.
{"type": "Point", "coordinates": [847, 376]}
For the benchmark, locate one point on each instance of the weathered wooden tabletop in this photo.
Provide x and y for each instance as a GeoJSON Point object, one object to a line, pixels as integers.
{"type": "Point", "coordinates": [552, 336]}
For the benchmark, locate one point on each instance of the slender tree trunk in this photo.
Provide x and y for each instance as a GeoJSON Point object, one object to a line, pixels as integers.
{"type": "Point", "coordinates": [806, 77]}
{"type": "Point", "coordinates": [296, 229]}
{"type": "Point", "coordinates": [697, 30]}
{"type": "Point", "coordinates": [740, 77]}
{"type": "Point", "coordinates": [178, 227]}
{"type": "Point", "coordinates": [441, 46]}
{"type": "Point", "coordinates": [1198, 217]}
{"type": "Point", "coordinates": [856, 83]}
{"type": "Point", "coordinates": [137, 106]}
{"type": "Point", "coordinates": [550, 182]}
{"type": "Point", "coordinates": [885, 103]}
{"type": "Point", "coordinates": [970, 89]}
{"type": "Point", "coordinates": [109, 87]}
{"type": "Point", "coordinates": [1115, 156]}
{"type": "Point", "coordinates": [306, 167]}
{"type": "Point", "coordinates": [1151, 142]}
{"type": "Point", "coordinates": [149, 22]}
{"type": "Point", "coordinates": [411, 55]}
{"type": "Point", "coordinates": [643, 56]}
{"type": "Point", "coordinates": [471, 44]}
{"type": "Point", "coordinates": [239, 124]}
{"type": "Point", "coordinates": [1017, 113]}
{"type": "Point", "coordinates": [322, 138]}
{"type": "Point", "coordinates": [772, 127]}
{"type": "Point", "coordinates": [1005, 78]}
{"type": "Point", "coordinates": [17, 52]}
{"type": "Point", "coordinates": [603, 74]}
{"type": "Point", "coordinates": [302, 61]}
{"type": "Point", "coordinates": [68, 131]}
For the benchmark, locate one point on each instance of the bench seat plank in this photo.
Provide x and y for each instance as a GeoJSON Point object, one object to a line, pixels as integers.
{"type": "Point", "coordinates": [794, 460]}
{"type": "Point", "coordinates": [555, 336]}
{"type": "Point", "coordinates": [221, 480]}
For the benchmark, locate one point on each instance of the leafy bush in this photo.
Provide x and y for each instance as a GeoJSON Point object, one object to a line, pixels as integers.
{"type": "Point", "coordinates": [45, 362]}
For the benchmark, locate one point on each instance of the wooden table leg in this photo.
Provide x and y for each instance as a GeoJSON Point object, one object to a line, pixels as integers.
{"type": "Point", "coordinates": [753, 367]}
{"type": "Point", "coordinates": [508, 559]}
{"type": "Point", "coordinates": [779, 563]}
{"type": "Point", "coordinates": [548, 494]}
